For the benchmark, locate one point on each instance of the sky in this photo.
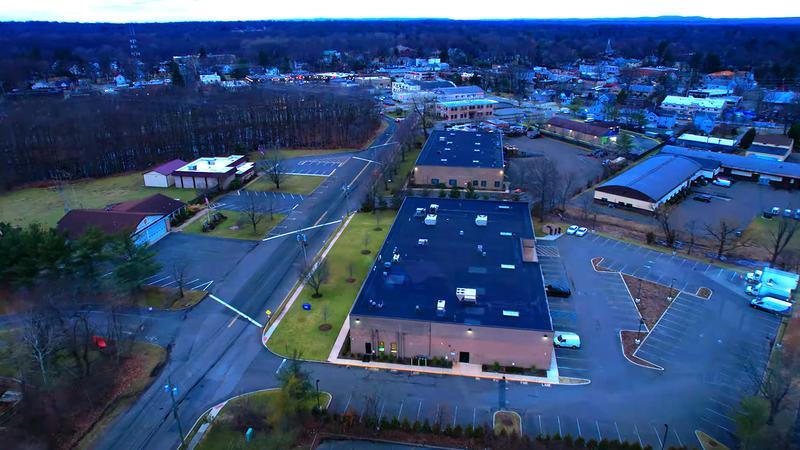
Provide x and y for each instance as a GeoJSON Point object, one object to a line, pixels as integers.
{"type": "Point", "coordinates": [204, 10]}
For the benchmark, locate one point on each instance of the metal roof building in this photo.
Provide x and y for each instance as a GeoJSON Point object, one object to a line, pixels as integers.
{"type": "Point", "coordinates": [762, 170]}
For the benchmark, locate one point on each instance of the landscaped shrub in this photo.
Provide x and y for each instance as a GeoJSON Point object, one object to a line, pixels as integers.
{"type": "Point", "coordinates": [395, 424]}
{"type": "Point", "coordinates": [469, 431]}
{"type": "Point", "coordinates": [416, 426]}
{"type": "Point", "coordinates": [448, 430]}
{"type": "Point", "coordinates": [405, 425]}
{"type": "Point", "coordinates": [580, 442]}
{"type": "Point", "coordinates": [458, 431]}
{"type": "Point", "coordinates": [442, 193]}
{"type": "Point", "coordinates": [426, 427]}
{"type": "Point", "coordinates": [650, 237]}
{"type": "Point", "coordinates": [437, 428]}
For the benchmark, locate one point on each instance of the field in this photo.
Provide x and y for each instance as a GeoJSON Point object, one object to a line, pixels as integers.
{"type": "Point", "coordinates": [295, 184]}
{"type": "Point", "coordinates": [759, 232]}
{"type": "Point", "coordinates": [300, 330]}
{"type": "Point", "coordinates": [45, 205]}
{"type": "Point", "coordinates": [245, 230]}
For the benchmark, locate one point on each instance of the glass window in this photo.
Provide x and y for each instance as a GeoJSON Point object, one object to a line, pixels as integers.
{"type": "Point", "coordinates": [381, 348]}
{"type": "Point", "coordinates": [483, 183]}
{"type": "Point", "coordinates": [453, 182]}
{"type": "Point", "coordinates": [393, 347]}
{"type": "Point", "coordinates": [434, 181]}
{"type": "Point", "coordinates": [474, 182]}
{"type": "Point", "coordinates": [497, 184]}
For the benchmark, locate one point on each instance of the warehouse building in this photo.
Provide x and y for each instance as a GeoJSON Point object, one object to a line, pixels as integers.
{"type": "Point", "coordinates": [747, 168]}
{"type": "Point", "coordinates": [459, 158]}
{"type": "Point", "coordinates": [456, 279]}
{"type": "Point", "coordinates": [653, 182]}
{"type": "Point", "coordinates": [587, 133]}
{"type": "Point", "coordinates": [771, 146]}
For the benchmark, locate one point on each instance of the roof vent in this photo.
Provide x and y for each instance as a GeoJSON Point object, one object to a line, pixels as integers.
{"type": "Point", "coordinates": [433, 208]}
{"type": "Point", "coordinates": [192, 167]}
{"type": "Point", "coordinates": [510, 313]}
{"type": "Point", "coordinates": [422, 242]}
{"type": "Point", "coordinates": [503, 207]}
{"type": "Point", "coordinates": [481, 220]}
{"type": "Point", "coordinates": [467, 295]}
{"type": "Point", "coordinates": [440, 308]}
{"type": "Point", "coordinates": [419, 212]}
{"type": "Point", "coordinates": [508, 266]}
{"type": "Point", "coordinates": [442, 138]}
{"type": "Point", "coordinates": [430, 219]}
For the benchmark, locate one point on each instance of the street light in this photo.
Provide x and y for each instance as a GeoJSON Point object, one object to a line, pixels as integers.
{"type": "Point", "coordinates": [319, 408]}
{"type": "Point", "coordinates": [171, 389]}
{"type": "Point", "coordinates": [302, 239]}
{"type": "Point", "coordinates": [669, 296]}
{"type": "Point", "coordinates": [639, 335]}
{"type": "Point", "coordinates": [664, 441]}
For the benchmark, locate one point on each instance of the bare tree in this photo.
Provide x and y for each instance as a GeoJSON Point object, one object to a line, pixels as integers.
{"type": "Point", "coordinates": [42, 340]}
{"type": "Point", "coordinates": [775, 382]}
{"type": "Point", "coordinates": [779, 237]}
{"type": "Point", "coordinates": [179, 274]}
{"type": "Point", "coordinates": [365, 241]}
{"type": "Point", "coordinates": [316, 275]}
{"type": "Point", "coordinates": [540, 181]}
{"type": "Point", "coordinates": [662, 215]}
{"type": "Point", "coordinates": [252, 213]}
{"type": "Point", "coordinates": [691, 232]}
{"type": "Point", "coordinates": [275, 170]}
{"type": "Point", "coordinates": [725, 235]}
{"type": "Point", "coordinates": [424, 111]}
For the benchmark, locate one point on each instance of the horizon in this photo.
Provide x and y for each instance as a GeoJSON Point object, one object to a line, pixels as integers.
{"type": "Point", "coordinates": [157, 11]}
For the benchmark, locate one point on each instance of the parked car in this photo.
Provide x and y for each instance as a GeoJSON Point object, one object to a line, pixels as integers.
{"type": "Point", "coordinates": [572, 229]}
{"type": "Point", "coordinates": [702, 198]}
{"type": "Point", "coordinates": [775, 211]}
{"type": "Point", "coordinates": [581, 232]}
{"type": "Point", "coordinates": [753, 277]}
{"type": "Point", "coordinates": [556, 290]}
{"type": "Point", "coordinates": [772, 305]}
{"type": "Point", "coordinates": [787, 212]}
{"type": "Point", "coordinates": [724, 182]}
{"type": "Point", "coordinates": [566, 339]}
{"type": "Point", "coordinates": [797, 214]}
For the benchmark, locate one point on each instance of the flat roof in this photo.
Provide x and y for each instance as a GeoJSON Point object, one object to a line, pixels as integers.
{"type": "Point", "coordinates": [211, 164]}
{"type": "Point", "coordinates": [653, 178]}
{"type": "Point", "coordinates": [468, 102]}
{"type": "Point", "coordinates": [736, 162]}
{"type": "Point", "coordinates": [713, 140]}
{"type": "Point", "coordinates": [508, 292]}
{"type": "Point", "coordinates": [716, 103]}
{"type": "Point", "coordinates": [457, 148]}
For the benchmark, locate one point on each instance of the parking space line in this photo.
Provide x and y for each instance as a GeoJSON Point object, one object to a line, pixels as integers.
{"type": "Point", "coordinates": [660, 444]}
{"type": "Point", "coordinates": [347, 405]}
{"type": "Point", "coordinates": [680, 444]}
{"type": "Point", "coordinates": [541, 430]}
{"type": "Point", "coordinates": [579, 427]}
{"type": "Point", "coordinates": [636, 429]}
{"type": "Point", "coordinates": [559, 426]}
{"type": "Point", "coordinates": [719, 414]}
{"type": "Point", "coordinates": [400, 411]}
{"type": "Point", "coordinates": [473, 417]}
{"type": "Point", "coordinates": [715, 424]}
{"type": "Point", "coordinates": [419, 409]}
{"type": "Point", "coordinates": [455, 414]}
{"type": "Point", "coordinates": [599, 436]}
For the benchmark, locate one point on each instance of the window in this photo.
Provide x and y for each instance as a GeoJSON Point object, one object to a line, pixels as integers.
{"type": "Point", "coordinates": [497, 184]}
{"type": "Point", "coordinates": [381, 348]}
{"type": "Point", "coordinates": [483, 183]}
{"type": "Point", "coordinates": [452, 182]}
{"type": "Point", "coordinates": [474, 182]}
{"type": "Point", "coordinates": [393, 347]}
{"type": "Point", "coordinates": [434, 181]}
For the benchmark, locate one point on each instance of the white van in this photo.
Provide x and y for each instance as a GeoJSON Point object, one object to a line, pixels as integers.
{"type": "Point", "coordinates": [772, 305]}
{"type": "Point", "coordinates": [724, 182]}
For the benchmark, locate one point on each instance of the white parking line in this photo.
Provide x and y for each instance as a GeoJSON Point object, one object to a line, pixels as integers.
{"type": "Point", "coordinates": [619, 435]}
{"type": "Point", "coordinates": [657, 435]}
{"type": "Point", "coordinates": [400, 411]}
{"type": "Point", "coordinates": [715, 424]}
{"type": "Point", "coordinates": [541, 430]}
{"type": "Point", "coordinates": [455, 414]}
{"type": "Point", "coordinates": [419, 409]}
{"type": "Point", "coordinates": [579, 427]}
{"type": "Point", "coordinates": [599, 436]}
{"type": "Point", "coordinates": [636, 429]}
{"type": "Point", "coordinates": [473, 417]}
{"type": "Point", "coordinates": [281, 365]}
{"type": "Point", "coordinates": [160, 280]}
{"type": "Point", "coordinates": [348, 402]}
{"type": "Point", "coordinates": [559, 426]}
{"type": "Point", "coordinates": [680, 444]}
{"type": "Point", "coordinates": [719, 414]}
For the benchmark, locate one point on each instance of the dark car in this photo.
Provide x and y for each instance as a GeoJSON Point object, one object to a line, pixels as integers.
{"type": "Point", "coordinates": [702, 198]}
{"type": "Point", "coordinates": [555, 290]}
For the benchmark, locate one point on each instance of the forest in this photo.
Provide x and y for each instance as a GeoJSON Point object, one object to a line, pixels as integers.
{"type": "Point", "coordinates": [101, 135]}
{"type": "Point", "coordinates": [771, 47]}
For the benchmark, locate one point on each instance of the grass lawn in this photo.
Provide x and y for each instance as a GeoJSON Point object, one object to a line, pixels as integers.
{"type": "Point", "coordinates": [295, 184]}
{"type": "Point", "coordinates": [392, 112]}
{"type": "Point", "coordinates": [245, 230]}
{"type": "Point", "coordinates": [44, 205]}
{"type": "Point", "coordinates": [759, 232]}
{"type": "Point", "coordinates": [709, 443]}
{"type": "Point", "coordinates": [224, 435]}
{"type": "Point", "coordinates": [300, 330]}
{"type": "Point", "coordinates": [167, 298]}
{"type": "Point", "coordinates": [404, 169]}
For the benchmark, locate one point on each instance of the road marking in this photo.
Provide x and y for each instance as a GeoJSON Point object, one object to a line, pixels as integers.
{"type": "Point", "coordinates": [719, 414]}
{"type": "Point", "coordinates": [280, 366]}
{"type": "Point", "coordinates": [599, 436]}
{"type": "Point", "coordinates": [400, 411]}
{"type": "Point", "coordinates": [473, 418]}
{"type": "Point", "coordinates": [159, 280]}
{"type": "Point", "coordinates": [619, 435]}
{"type": "Point", "coordinates": [541, 430]}
{"type": "Point", "coordinates": [455, 414]}
{"type": "Point", "coordinates": [680, 444]}
{"type": "Point", "coordinates": [715, 424]}
{"type": "Point", "coordinates": [380, 416]}
{"type": "Point", "coordinates": [419, 410]}
{"type": "Point", "coordinates": [229, 306]}
{"type": "Point", "coordinates": [579, 427]}
{"type": "Point", "coordinates": [233, 320]}
{"type": "Point", "coordinates": [301, 230]}
{"type": "Point", "coordinates": [347, 405]}
{"type": "Point", "coordinates": [559, 426]}
{"type": "Point", "coordinates": [636, 429]}
{"type": "Point", "coordinates": [657, 436]}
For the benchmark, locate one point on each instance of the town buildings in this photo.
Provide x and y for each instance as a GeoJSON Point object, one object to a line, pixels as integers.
{"type": "Point", "coordinates": [461, 158]}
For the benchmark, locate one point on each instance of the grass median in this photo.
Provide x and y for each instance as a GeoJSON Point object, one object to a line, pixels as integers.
{"type": "Point", "coordinates": [294, 184]}
{"type": "Point", "coordinates": [313, 333]}
{"type": "Point", "coordinates": [236, 226]}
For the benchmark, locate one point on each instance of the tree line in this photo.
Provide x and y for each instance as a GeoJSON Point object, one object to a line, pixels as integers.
{"type": "Point", "coordinates": [102, 135]}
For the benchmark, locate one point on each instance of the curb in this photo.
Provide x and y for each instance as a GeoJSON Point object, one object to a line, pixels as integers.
{"type": "Point", "coordinates": [622, 347]}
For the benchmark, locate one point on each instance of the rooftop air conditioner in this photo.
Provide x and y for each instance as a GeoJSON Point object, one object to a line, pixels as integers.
{"type": "Point", "coordinates": [430, 219]}
{"type": "Point", "coordinates": [440, 307]}
{"type": "Point", "coordinates": [481, 220]}
{"type": "Point", "coordinates": [467, 295]}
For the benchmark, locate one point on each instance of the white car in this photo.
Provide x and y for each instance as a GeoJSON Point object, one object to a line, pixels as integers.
{"type": "Point", "coordinates": [566, 339]}
{"type": "Point", "coordinates": [572, 229]}
{"type": "Point", "coordinates": [581, 232]}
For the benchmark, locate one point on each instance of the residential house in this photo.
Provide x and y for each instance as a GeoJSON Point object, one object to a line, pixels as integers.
{"type": "Point", "coordinates": [216, 172]}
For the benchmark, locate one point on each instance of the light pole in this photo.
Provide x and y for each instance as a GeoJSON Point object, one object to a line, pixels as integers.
{"type": "Point", "coordinates": [346, 191]}
{"type": "Point", "coordinates": [639, 335]}
{"type": "Point", "coordinates": [639, 291]}
{"type": "Point", "coordinates": [302, 239]}
{"type": "Point", "coordinates": [319, 408]}
{"type": "Point", "coordinates": [171, 389]}
{"type": "Point", "coordinates": [664, 441]}
{"type": "Point", "coordinates": [669, 296]}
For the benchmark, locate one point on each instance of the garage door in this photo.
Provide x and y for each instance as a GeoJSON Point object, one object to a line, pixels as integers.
{"type": "Point", "coordinates": [152, 233]}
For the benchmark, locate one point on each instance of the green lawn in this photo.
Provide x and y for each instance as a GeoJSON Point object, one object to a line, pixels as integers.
{"type": "Point", "coordinates": [224, 435]}
{"type": "Point", "coordinates": [167, 298]}
{"type": "Point", "coordinates": [392, 112]}
{"type": "Point", "coordinates": [759, 232]}
{"type": "Point", "coordinates": [234, 218]}
{"type": "Point", "coordinates": [295, 184]}
{"type": "Point", "coordinates": [299, 329]}
{"type": "Point", "coordinates": [404, 169]}
{"type": "Point", "coordinates": [44, 205]}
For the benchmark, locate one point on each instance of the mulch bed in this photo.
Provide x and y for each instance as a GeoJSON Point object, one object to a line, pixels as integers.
{"type": "Point", "coordinates": [652, 298]}
{"type": "Point", "coordinates": [629, 346]}
{"type": "Point", "coordinates": [596, 264]}
{"type": "Point", "coordinates": [704, 292]}
{"type": "Point", "coordinates": [325, 327]}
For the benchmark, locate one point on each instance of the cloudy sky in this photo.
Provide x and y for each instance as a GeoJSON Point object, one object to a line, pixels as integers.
{"type": "Point", "coordinates": [189, 10]}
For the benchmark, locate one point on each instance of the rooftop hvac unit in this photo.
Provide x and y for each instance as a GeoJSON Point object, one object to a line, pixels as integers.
{"type": "Point", "coordinates": [422, 242]}
{"type": "Point", "coordinates": [440, 308]}
{"type": "Point", "coordinates": [430, 219]}
{"type": "Point", "coordinates": [419, 212]}
{"type": "Point", "coordinates": [442, 138]}
{"type": "Point", "coordinates": [396, 258]}
{"type": "Point", "coordinates": [467, 295]}
{"type": "Point", "coordinates": [481, 220]}
{"type": "Point", "coordinates": [193, 167]}
{"type": "Point", "coordinates": [433, 208]}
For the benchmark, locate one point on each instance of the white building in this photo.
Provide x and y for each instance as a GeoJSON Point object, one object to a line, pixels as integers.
{"type": "Point", "coordinates": [408, 90]}
{"type": "Point", "coordinates": [161, 176]}
{"type": "Point", "coordinates": [215, 172]}
{"type": "Point", "coordinates": [211, 78]}
{"type": "Point", "coordinates": [691, 105]}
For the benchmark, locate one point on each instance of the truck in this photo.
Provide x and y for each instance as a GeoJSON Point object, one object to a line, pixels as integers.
{"type": "Point", "coordinates": [772, 305]}
{"type": "Point", "coordinates": [724, 182]}
{"type": "Point", "coordinates": [767, 290]}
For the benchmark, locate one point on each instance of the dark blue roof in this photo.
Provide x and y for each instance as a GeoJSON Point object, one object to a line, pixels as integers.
{"type": "Point", "coordinates": [462, 149]}
{"type": "Point", "coordinates": [425, 274]}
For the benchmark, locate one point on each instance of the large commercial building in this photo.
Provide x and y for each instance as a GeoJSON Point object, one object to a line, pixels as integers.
{"type": "Point", "coordinates": [653, 182]}
{"type": "Point", "coordinates": [586, 133]}
{"type": "Point", "coordinates": [216, 172]}
{"type": "Point", "coordinates": [459, 158]}
{"type": "Point", "coordinates": [771, 146]}
{"type": "Point", "coordinates": [465, 110]}
{"type": "Point", "coordinates": [456, 279]}
{"type": "Point", "coordinates": [749, 168]}
{"type": "Point", "coordinates": [692, 105]}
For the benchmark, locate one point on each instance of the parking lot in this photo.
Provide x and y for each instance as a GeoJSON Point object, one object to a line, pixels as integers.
{"type": "Point", "coordinates": [278, 202]}
{"type": "Point", "coordinates": [319, 166]}
{"type": "Point", "coordinates": [715, 347]}
{"type": "Point", "coordinates": [568, 158]}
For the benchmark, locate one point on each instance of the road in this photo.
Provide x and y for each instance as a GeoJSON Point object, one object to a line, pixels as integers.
{"type": "Point", "coordinates": [214, 356]}
{"type": "Point", "coordinates": [211, 350]}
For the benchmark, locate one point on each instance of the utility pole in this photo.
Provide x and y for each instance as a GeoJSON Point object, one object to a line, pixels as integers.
{"type": "Point", "coordinates": [172, 390]}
